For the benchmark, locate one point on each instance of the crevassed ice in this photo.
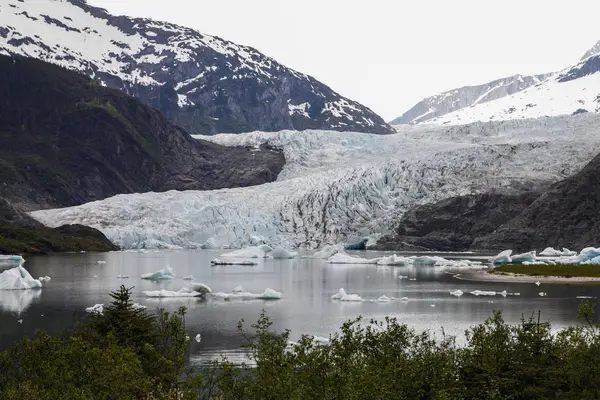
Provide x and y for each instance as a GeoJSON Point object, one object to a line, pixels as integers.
{"type": "Point", "coordinates": [337, 185]}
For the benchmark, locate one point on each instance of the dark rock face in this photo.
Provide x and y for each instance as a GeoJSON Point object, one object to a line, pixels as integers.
{"type": "Point", "coordinates": [202, 83]}
{"type": "Point", "coordinates": [566, 215]}
{"type": "Point", "coordinates": [453, 224]}
{"type": "Point", "coordinates": [588, 67]}
{"type": "Point", "coordinates": [66, 140]}
{"type": "Point", "coordinates": [11, 215]}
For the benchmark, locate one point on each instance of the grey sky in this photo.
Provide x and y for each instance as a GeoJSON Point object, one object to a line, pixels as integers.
{"type": "Point", "coordinates": [389, 54]}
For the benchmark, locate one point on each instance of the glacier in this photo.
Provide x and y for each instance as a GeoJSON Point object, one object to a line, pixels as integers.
{"type": "Point", "coordinates": [337, 185]}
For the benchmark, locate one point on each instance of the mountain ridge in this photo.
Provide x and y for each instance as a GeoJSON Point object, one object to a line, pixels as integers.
{"type": "Point", "coordinates": [202, 83]}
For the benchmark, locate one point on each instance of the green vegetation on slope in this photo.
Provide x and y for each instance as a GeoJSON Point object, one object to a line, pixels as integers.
{"type": "Point", "coordinates": [42, 240]}
{"type": "Point", "coordinates": [566, 270]}
{"type": "Point", "coordinates": [128, 353]}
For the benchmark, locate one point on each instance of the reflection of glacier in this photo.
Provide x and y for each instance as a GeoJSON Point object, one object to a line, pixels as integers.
{"type": "Point", "coordinates": [17, 301]}
{"type": "Point", "coordinates": [337, 185]}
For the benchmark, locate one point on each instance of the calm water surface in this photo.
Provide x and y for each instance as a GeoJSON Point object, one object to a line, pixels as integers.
{"type": "Point", "coordinates": [79, 281]}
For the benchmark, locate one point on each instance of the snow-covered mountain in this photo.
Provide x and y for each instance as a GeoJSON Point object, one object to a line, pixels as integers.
{"type": "Point", "coordinates": [573, 90]}
{"type": "Point", "coordinates": [203, 83]}
{"type": "Point", "coordinates": [337, 186]}
{"type": "Point", "coordinates": [468, 96]}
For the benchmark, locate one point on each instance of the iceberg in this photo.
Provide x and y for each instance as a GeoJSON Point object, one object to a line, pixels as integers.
{"type": "Point", "coordinates": [552, 252]}
{"type": "Point", "coordinates": [383, 299]}
{"type": "Point", "coordinates": [268, 294]}
{"type": "Point", "coordinates": [188, 278]}
{"type": "Point", "coordinates": [238, 289]}
{"type": "Point", "coordinates": [525, 257]}
{"type": "Point", "coordinates": [198, 338]}
{"type": "Point", "coordinates": [502, 258]}
{"type": "Point", "coordinates": [18, 279]}
{"type": "Point", "coordinates": [328, 251]}
{"type": "Point", "coordinates": [250, 252]}
{"type": "Point", "coordinates": [11, 260]}
{"type": "Point", "coordinates": [586, 256]}
{"type": "Point", "coordinates": [101, 262]}
{"type": "Point", "coordinates": [137, 306]}
{"type": "Point", "coordinates": [395, 260]}
{"type": "Point", "coordinates": [280, 252]}
{"type": "Point", "coordinates": [200, 288]}
{"type": "Point", "coordinates": [341, 295]}
{"type": "Point", "coordinates": [483, 293]}
{"type": "Point", "coordinates": [219, 261]}
{"type": "Point", "coordinates": [457, 293]}
{"type": "Point", "coordinates": [163, 274]}
{"type": "Point", "coordinates": [44, 278]}
{"type": "Point", "coordinates": [343, 258]}
{"type": "Point", "coordinates": [172, 294]}
{"type": "Point", "coordinates": [95, 309]}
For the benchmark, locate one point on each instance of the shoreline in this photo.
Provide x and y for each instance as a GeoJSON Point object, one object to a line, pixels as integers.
{"type": "Point", "coordinates": [508, 277]}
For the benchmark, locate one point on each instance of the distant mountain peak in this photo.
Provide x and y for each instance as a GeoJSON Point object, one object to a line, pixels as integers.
{"type": "Point", "coordinates": [203, 83]}
{"type": "Point", "coordinates": [592, 52]}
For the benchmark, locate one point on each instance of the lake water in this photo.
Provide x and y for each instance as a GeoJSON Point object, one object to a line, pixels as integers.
{"type": "Point", "coordinates": [79, 281]}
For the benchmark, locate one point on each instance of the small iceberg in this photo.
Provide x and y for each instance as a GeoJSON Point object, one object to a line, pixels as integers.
{"type": "Point", "coordinates": [172, 294]}
{"type": "Point", "coordinates": [483, 293]}
{"type": "Point", "coordinates": [198, 338]}
{"type": "Point", "coordinates": [384, 299]}
{"type": "Point", "coordinates": [11, 260]}
{"type": "Point", "coordinates": [552, 252]}
{"type": "Point", "coordinates": [328, 251]}
{"type": "Point", "coordinates": [343, 258]}
{"type": "Point", "coordinates": [543, 294]}
{"type": "Point", "coordinates": [281, 253]}
{"type": "Point", "coordinates": [218, 261]}
{"type": "Point", "coordinates": [529, 257]}
{"type": "Point", "coordinates": [163, 274]}
{"type": "Point", "coordinates": [101, 262]}
{"type": "Point", "coordinates": [250, 252]}
{"type": "Point", "coordinates": [188, 278]}
{"type": "Point", "coordinates": [502, 257]}
{"type": "Point", "coordinates": [96, 309]}
{"type": "Point", "coordinates": [18, 279]}
{"type": "Point", "coordinates": [341, 295]}
{"type": "Point", "coordinates": [457, 293]}
{"type": "Point", "coordinates": [395, 260]}
{"type": "Point", "coordinates": [200, 288]}
{"type": "Point", "coordinates": [44, 278]}
{"type": "Point", "coordinates": [268, 294]}
{"type": "Point", "coordinates": [238, 289]}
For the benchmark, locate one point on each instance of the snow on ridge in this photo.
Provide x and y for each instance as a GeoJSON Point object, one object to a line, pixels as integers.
{"type": "Point", "coordinates": [337, 185]}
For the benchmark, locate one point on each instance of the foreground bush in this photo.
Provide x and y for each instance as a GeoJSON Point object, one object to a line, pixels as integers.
{"type": "Point", "coordinates": [127, 353]}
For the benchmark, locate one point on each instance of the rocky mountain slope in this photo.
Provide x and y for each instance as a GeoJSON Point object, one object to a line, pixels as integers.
{"type": "Point", "coordinates": [66, 140]}
{"type": "Point", "coordinates": [202, 83]}
{"type": "Point", "coordinates": [567, 215]}
{"type": "Point", "coordinates": [468, 96]}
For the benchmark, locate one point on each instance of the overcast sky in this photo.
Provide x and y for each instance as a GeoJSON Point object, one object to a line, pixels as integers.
{"type": "Point", "coordinates": [389, 54]}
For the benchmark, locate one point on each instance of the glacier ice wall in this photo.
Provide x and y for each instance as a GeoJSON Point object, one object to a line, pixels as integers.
{"type": "Point", "coordinates": [339, 185]}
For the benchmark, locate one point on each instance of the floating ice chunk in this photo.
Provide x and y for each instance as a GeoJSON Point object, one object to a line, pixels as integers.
{"type": "Point", "coordinates": [238, 289]}
{"type": "Point", "coordinates": [404, 299]}
{"type": "Point", "coordinates": [219, 261]}
{"type": "Point", "coordinates": [537, 283]}
{"type": "Point", "coordinates": [343, 258]}
{"type": "Point", "coordinates": [18, 279]}
{"type": "Point", "coordinates": [250, 252]}
{"type": "Point", "coordinates": [586, 255]}
{"type": "Point", "coordinates": [536, 262]}
{"type": "Point", "coordinates": [96, 309]}
{"type": "Point", "coordinates": [280, 252]}
{"type": "Point", "coordinates": [122, 276]}
{"type": "Point", "coordinates": [428, 260]}
{"type": "Point", "coordinates": [525, 257]}
{"type": "Point", "coordinates": [457, 293]}
{"type": "Point", "coordinates": [163, 274]}
{"type": "Point", "coordinates": [341, 295]}
{"type": "Point", "coordinates": [11, 260]}
{"type": "Point", "coordinates": [101, 262]}
{"type": "Point", "coordinates": [383, 299]}
{"type": "Point", "coordinates": [503, 293]}
{"type": "Point", "coordinates": [502, 257]}
{"type": "Point", "coordinates": [198, 338]}
{"type": "Point", "coordinates": [458, 264]}
{"type": "Point", "coordinates": [542, 294]}
{"type": "Point", "coordinates": [138, 306]}
{"type": "Point", "coordinates": [20, 321]}
{"type": "Point", "coordinates": [268, 294]}
{"type": "Point", "coordinates": [483, 293]}
{"type": "Point", "coordinates": [328, 251]}
{"type": "Point", "coordinates": [189, 278]}
{"type": "Point", "coordinates": [552, 252]}
{"type": "Point", "coordinates": [44, 278]}
{"type": "Point", "coordinates": [170, 293]}
{"type": "Point", "coordinates": [200, 288]}
{"type": "Point", "coordinates": [584, 297]}
{"type": "Point", "coordinates": [432, 305]}
{"type": "Point", "coordinates": [395, 260]}
{"type": "Point", "coordinates": [412, 279]}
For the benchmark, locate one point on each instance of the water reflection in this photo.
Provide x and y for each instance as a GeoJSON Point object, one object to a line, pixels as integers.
{"type": "Point", "coordinates": [17, 301]}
